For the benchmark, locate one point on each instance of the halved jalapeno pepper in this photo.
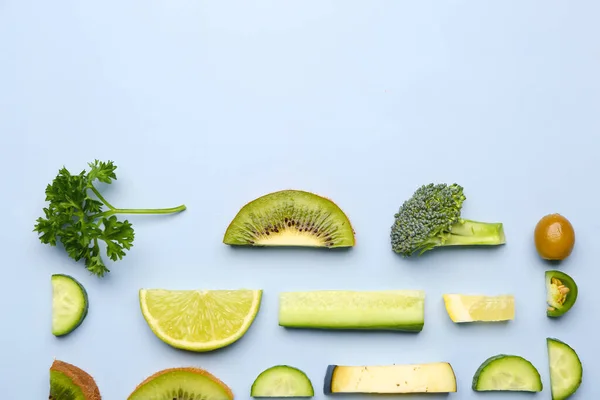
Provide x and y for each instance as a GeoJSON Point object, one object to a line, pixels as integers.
{"type": "Point", "coordinates": [561, 293]}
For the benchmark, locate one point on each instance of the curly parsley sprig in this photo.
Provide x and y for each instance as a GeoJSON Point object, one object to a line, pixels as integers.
{"type": "Point", "coordinates": [79, 222]}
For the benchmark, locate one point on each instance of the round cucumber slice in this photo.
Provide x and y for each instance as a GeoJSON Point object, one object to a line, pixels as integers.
{"type": "Point", "coordinates": [566, 371]}
{"type": "Point", "coordinates": [507, 373]}
{"type": "Point", "coordinates": [282, 381]}
{"type": "Point", "coordinates": [69, 304]}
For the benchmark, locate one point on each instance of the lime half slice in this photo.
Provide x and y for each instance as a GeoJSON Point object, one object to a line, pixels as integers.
{"type": "Point", "coordinates": [199, 320]}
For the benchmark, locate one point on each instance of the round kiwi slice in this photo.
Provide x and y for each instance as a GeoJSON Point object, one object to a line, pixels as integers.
{"type": "Point", "coordinates": [185, 383]}
{"type": "Point", "coordinates": [68, 382]}
{"type": "Point", "coordinates": [290, 218]}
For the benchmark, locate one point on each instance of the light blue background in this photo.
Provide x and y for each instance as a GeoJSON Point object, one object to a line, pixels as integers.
{"type": "Point", "coordinates": [212, 104]}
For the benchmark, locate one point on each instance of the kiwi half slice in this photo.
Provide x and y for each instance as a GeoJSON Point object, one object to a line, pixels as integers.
{"type": "Point", "coordinates": [68, 382]}
{"type": "Point", "coordinates": [290, 218]}
{"type": "Point", "coordinates": [187, 383]}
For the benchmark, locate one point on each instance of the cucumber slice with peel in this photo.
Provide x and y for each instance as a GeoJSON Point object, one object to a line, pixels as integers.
{"type": "Point", "coordinates": [69, 304]}
{"type": "Point", "coordinates": [282, 381]}
{"type": "Point", "coordinates": [566, 371]}
{"type": "Point", "coordinates": [398, 310]}
{"type": "Point", "coordinates": [507, 373]}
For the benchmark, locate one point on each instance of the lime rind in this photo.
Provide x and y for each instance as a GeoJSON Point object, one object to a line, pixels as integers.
{"type": "Point", "coordinates": [191, 317]}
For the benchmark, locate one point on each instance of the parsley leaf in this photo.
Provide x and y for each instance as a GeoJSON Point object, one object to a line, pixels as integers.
{"type": "Point", "coordinates": [118, 236]}
{"type": "Point", "coordinates": [75, 217]}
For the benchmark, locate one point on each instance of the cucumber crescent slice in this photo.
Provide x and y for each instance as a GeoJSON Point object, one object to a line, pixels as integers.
{"type": "Point", "coordinates": [69, 304]}
{"type": "Point", "coordinates": [507, 373]}
{"type": "Point", "coordinates": [566, 371]}
{"type": "Point", "coordinates": [282, 381]}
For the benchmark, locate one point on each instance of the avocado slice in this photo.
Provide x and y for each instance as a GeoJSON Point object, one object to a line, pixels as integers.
{"type": "Point", "coordinates": [561, 293]}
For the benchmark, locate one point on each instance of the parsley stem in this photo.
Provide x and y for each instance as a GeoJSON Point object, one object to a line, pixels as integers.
{"type": "Point", "coordinates": [102, 199]}
{"type": "Point", "coordinates": [113, 211]}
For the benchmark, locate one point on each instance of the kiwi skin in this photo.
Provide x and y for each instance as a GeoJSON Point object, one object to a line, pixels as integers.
{"type": "Point", "coordinates": [84, 381]}
{"type": "Point", "coordinates": [294, 211]}
{"type": "Point", "coordinates": [185, 369]}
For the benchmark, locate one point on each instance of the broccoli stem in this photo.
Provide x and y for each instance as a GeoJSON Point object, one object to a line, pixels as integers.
{"type": "Point", "coordinates": [468, 232]}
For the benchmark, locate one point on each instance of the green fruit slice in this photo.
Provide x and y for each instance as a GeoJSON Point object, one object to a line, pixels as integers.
{"type": "Point", "coordinates": [69, 304]}
{"type": "Point", "coordinates": [566, 371]}
{"type": "Point", "coordinates": [561, 293]}
{"type": "Point", "coordinates": [68, 382]}
{"type": "Point", "coordinates": [181, 384]}
{"type": "Point", "coordinates": [463, 308]}
{"type": "Point", "coordinates": [282, 381]}
{"type": "Point", "coordinates": [290, 218]}
{"type": "Point", "coordinates": [199, 320]}
{"type": "Point", "coordinates": [507, 373]}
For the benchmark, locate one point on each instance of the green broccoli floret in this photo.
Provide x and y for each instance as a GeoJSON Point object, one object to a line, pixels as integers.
{"type": "Point", "coordinates": [432, 218]}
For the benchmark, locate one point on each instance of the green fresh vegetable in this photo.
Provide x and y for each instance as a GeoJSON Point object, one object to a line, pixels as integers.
{"type": "Point", "coordinates": [435, 377]}
{"type": "Point", "coordinates": [561, 293]}
{"type": "Point", "coordinates": [401, 310]}
{"type": "Point", "coordinates": [77, 219]}
{"type": "Point", "coordinates": [69, 382]}
{"type": "Point", "coordinates": [507, 373]}
{"type": "Point", "coordinates": [566, 371]}
{"type": "Point", "coordinates": [69, 304]}
{"type": "Point", "coordinates": [282, 381]}
{"type": "Point", "coordinates": [432, 218]}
